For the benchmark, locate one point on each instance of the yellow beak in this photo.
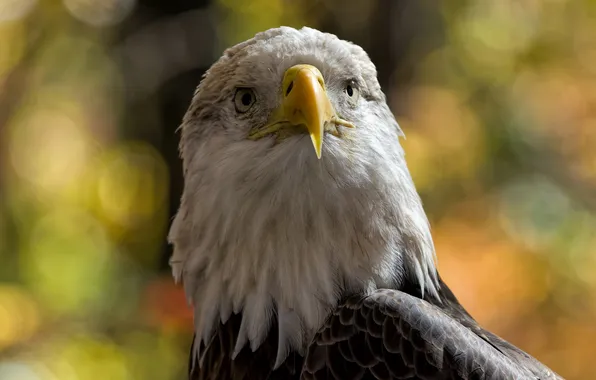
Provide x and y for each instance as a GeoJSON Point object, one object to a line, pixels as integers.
{"type": "Point", "coordinates": [305, 104]}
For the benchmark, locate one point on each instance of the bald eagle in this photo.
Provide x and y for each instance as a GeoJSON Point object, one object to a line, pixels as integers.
{"type": "Point", "coordinates": [313, 265]}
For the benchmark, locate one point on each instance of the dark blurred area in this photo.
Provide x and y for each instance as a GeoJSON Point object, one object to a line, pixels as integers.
{"type": "Point", "coordinates": [497, 100]}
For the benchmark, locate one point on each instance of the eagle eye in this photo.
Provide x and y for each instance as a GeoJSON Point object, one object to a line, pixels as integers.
{"type": "Point", "coordinates": [244, 99]}
{"type": "Point", "coordinates": [352, 91]}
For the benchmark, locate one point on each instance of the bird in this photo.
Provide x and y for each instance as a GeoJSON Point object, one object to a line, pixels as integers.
{"type": "Point", "coordinates": [304, 263]}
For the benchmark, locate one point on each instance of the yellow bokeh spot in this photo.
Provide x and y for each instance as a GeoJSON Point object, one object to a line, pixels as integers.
{"type": "Point", "coordinates": [94, 359]}
{"type": "Point", "coordinates": [67, 261]}
{"type": "Point", "coordinates": [444, 138]}
{"type": "Point", "coordinates": [490, 35]}
{"type": "Point", "coordinates": [19, 315]}
{"type": "Point", "coordinates": [245, 18]}
{"type": "Point", "coordinates": [131, 184]}
{"type": "Point", "coordinates": [12, 45]}
{"type": "Point", "coordinates": [82, 357]}
{"type": "Point", "coordinates": [100, 13]}
{"type": "Point", "coordinates": [49, 146]}
{"type": "Point", "coordinates": [556, 96]}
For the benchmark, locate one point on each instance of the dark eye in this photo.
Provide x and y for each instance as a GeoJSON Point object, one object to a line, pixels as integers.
{"type": "Point", "coordinates": [244, 99]}
{"type": "Point", "coordinates": [352, 91]}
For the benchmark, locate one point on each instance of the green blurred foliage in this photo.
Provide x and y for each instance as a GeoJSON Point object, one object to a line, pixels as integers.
{"type": "Point", "coordinates": [500, 118]}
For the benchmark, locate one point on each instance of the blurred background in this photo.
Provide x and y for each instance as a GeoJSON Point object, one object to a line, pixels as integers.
{"type": "Point", "coordinates": [497, 99]}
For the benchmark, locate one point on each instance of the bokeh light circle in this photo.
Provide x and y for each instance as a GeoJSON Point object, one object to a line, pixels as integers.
{"type": "Point", "coordinates": [100, 13]}
{"type": "Point", "coordinates": [15, 9]}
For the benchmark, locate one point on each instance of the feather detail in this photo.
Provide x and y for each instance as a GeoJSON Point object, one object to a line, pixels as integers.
{"type": "Point", "coordinates": [241, 339]}
{"type": "Point", "coordinates": [225, 309]}
{"type": "Point", "coordinates": [258, 312]}
{"type": "Point", "coordinates": [289, 334]}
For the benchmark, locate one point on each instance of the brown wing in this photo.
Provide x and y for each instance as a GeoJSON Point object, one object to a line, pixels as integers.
{"type": "Point", "coordinates": [394, 335]}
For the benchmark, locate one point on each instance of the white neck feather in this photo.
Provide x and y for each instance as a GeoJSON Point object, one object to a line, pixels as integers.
{"type": "Point", "coordinates": [295, 243]}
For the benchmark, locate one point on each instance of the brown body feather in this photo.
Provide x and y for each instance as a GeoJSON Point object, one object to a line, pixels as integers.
{"type": "Point", "coordinates": [388, 335]}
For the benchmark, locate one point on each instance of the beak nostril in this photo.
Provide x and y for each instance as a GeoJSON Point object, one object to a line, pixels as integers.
{"type": "Point", "coordinates": [290, 87]}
